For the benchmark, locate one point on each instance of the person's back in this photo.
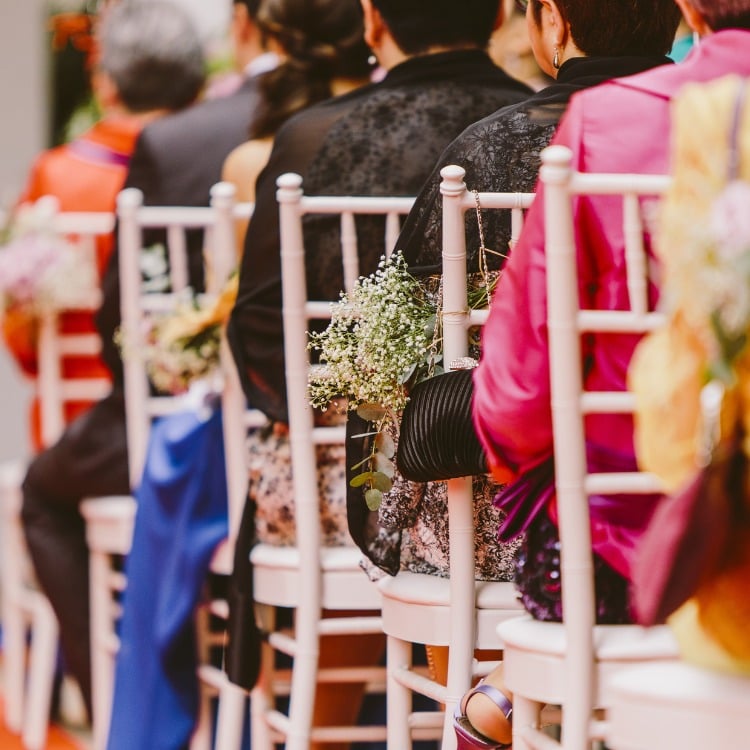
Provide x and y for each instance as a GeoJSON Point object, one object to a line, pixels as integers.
{"type": "Point", "coordinates": [179, 158]}
{"type": "Point", "coordinates": [87, 173]}
{"type": "Point", "coordinates": [379, 140]}
{"type": "Point", "coordinates": [621, 126]}
{"type": "Point", "coordinates": [319, 57]}
{"type": "Point", "coordinates": [501, 152]}
{"type": "Point", "coordinates": [153, 56]}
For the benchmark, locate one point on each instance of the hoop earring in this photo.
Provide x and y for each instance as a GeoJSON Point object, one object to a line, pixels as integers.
{"type": "Point", "coordinates": [556, 59]}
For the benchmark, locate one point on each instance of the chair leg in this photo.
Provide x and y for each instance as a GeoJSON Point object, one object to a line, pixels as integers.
{"type": "Point", "coordinates": [42, 663]}
{"type": "Point", "coordinates": [14, 661]}
{"type": "Point", "coordinates": [231, 717]}
{"type": "Point", "coordinates": [302, 696]}
{"type": "Point", "coordinates": [262, 698]}
{"type": "Point", "coordinates": [526, 713]}
{"type": "Point", "coordinates": [202, 734]}
{"type": "Point", "coordinates": [102, 661]}
{"type": "Point", "coordinates": [14, 617]}
{"type": "Point", "coordinates": [398, 697]}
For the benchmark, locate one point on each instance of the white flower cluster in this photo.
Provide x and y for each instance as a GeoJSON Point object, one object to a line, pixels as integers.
{"type": "Point", "coordinates": [379, 338]}
{"type": "Point", "coordinates": [174, 365]}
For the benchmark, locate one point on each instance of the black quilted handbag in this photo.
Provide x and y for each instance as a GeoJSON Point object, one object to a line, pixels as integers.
{"type": "Point", "coordinates": [437, 439]}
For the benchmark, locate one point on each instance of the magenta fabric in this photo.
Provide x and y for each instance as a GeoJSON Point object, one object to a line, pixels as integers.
{"type": "Point", "coordinates": [620, 126]}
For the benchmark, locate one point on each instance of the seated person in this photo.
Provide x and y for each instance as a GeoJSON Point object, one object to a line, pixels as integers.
{"type": "Point", "coordinates": [378, 140]}
{"type": "Point", "coordinates": [501, 154]}
{"type": "Point", "coordinates": [609, 129]}
{"type": "Point", "coordinates": [86, 175]}
{"type": "Point", "coordinates": [153, 59]}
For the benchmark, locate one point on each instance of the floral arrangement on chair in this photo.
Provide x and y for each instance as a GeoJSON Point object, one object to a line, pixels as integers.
{"type": "Point", "coordinates": [41, 271]}
{"type": "Point", "coordinates": [183, 346]}
{"type": "Point", "coordinates": [384, 337]}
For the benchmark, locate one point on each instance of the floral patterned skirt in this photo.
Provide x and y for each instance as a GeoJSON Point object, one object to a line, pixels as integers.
{"type": "Point", "coordinates": [270, 486]}
{"type": "Point", "coordinates": [538, 578]}
{"type": "Point", "coordinates": [420, 511]}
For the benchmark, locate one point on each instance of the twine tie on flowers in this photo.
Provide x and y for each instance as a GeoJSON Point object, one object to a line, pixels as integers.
{"type": "Point", "coordinates": [484, 268]}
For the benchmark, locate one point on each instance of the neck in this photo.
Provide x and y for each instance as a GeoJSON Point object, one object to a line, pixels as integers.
{"type": "Point", "coordinates": [392, 57]}
{"type": "Point", "coordinates": [246, 55]}
{"type": "Point", "coordinates": [136, 118]}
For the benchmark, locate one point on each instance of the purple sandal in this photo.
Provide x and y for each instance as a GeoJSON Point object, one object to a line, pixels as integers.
{"type": "Point", "coordinates": [468, 737]}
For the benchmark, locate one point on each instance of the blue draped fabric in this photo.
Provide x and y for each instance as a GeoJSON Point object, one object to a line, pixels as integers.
{"type": "Point", "coordinates": [181, 517]}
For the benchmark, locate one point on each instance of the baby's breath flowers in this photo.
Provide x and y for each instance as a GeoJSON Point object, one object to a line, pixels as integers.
{"type": "Point", "coordinates": [381, 339]}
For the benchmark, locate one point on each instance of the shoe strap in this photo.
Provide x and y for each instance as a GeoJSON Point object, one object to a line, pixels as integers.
{"type": "Point", "coordinates": [495, 696]}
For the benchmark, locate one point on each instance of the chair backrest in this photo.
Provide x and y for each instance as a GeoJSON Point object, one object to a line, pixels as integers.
{"type": "Point", "coordinates": [54, 389]}
{"type": "Point", "coordinates": [298, 310]}
{"type": "Point", "coordinates": [138, 302]}
{"type": "Point", "coordinates": [571, 402]}
{"type": "Point", "coordinates": [457, 319]}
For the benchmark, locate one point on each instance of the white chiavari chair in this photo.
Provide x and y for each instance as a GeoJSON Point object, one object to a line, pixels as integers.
{"type": "Point", "coordinates": [110, 521]}
{"type": "Point", "coordinates": [26, 612]}
{"type": "Point", "coordinates": [678, 705]}
{"type": "Point", "coordinates": [458, 612]}
{"type": "Point", "coordinates": [308, 577]}
{"type": "Point", "coordinates": [571, 663]}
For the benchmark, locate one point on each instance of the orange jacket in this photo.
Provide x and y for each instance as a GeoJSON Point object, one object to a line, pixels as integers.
{"type": "Point", "coordinates": [84, 175]}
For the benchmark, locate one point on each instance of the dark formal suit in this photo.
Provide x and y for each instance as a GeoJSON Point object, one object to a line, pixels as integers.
{"type": "Point", "coordinates": [176, 161]}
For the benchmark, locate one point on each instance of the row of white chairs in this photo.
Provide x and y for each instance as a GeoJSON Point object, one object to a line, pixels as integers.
{"type": "Point", "coordinates": [569, 664]}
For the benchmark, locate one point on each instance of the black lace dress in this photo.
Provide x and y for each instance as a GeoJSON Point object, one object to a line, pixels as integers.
{"type": "Point", "coordinates": [499, 153]}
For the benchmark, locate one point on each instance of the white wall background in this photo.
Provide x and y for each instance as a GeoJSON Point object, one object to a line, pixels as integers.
{"type": "Point", "coordinates": [23, 107]}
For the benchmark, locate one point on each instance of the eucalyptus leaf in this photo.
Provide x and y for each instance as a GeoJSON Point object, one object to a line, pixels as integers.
{"type": "Point", "coordinates": [384, 444]}
{"type": "Point", "coordinates": [371, 412]}
{"type": "Point", "coordinates": [373, 498]}
{"type": "Point", "coordinates": [407, 373]}
{"type": "Point", "coordinates": [429, 326]}
{"type": "Point", "coordinates": [381, 481]}
{"type": "Point", "coordinates": [364, 461]}
{"type": "Point", "coordinates": [361, 479]}
{"type": "Point", "coordinates": [384, 465]}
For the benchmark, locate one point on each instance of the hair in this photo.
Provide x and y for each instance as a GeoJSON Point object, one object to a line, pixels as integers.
{"type": "Point", "coordinates": [724, 14]}
{"type": "Point", "coordinates": [251, 5]}
{"type": "Point", "coordinates": [619, 27]}
{"type": "Point", "coordinates": [151, 51]}
{"type": "Point", "coordinates": [322, 39]}
{"type": "Point", "coordinates": [418, 25]}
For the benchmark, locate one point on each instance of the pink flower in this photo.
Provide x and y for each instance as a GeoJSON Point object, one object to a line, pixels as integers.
{"type": "Point", "coordinates": [729, 220]}
{"type": "Point", "coordinates": [24, 263]}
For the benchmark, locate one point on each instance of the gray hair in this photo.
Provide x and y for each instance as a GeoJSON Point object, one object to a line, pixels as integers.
{"type": "Point", "coordinates": [152, 52]}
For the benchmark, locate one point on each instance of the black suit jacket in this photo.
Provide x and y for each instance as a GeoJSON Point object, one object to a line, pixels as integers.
{"type": "Point", "coordinates": [176, 161]}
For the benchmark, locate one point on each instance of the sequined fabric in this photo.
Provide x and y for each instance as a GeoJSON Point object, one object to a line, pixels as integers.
{"type": "Point", "coordinates": [538, 579]}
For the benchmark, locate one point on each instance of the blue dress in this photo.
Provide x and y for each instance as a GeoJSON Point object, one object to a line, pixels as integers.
{"type": "Point", "coordinates": [181, 517]}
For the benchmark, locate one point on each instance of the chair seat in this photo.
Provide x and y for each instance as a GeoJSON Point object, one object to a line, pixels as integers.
{"type": "Point", "coordinates": [678, 705]}
{"type": "Point", "coordinates": [416, 607]}
{"type": "Point", "coordinates": [276, 575]}
{"type": "Point", "coordinates": [535, 655]}
{"type": "Point", "coordinates": [109, 523]}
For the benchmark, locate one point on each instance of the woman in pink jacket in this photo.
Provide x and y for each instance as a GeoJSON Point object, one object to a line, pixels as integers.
{"type": "Point", "coordinates": [621, 126]}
